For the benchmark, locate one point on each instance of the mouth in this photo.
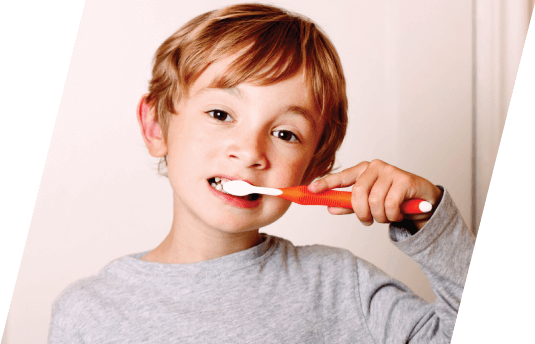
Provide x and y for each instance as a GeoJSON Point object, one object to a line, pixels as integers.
{"type": "Point", "coordinates": [218, 182]}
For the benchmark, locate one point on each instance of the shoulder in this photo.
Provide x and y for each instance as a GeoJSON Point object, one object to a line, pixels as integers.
{"type": "Point", "coordinates": [322, 257]}
{"type": "Point", "coordinates": [332, 268]}
{"type": "Point", "coordinates": [71, 293]}
{"type": "Point", "coordinates": [330, 262]}
{"type": "Point", "coordinates": [87, 294]}
{"type": "Point", "coordinates": [79, 292]}
{"type": "Point", "coordinates": [70, 305]}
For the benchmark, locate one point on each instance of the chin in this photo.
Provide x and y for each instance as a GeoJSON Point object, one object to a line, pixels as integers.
{"type": "Point", "coordinates": [239, 223]}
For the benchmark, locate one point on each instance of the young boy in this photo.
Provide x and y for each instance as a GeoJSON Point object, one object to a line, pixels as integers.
{"type": "Point", "coordinates": [251, 92]}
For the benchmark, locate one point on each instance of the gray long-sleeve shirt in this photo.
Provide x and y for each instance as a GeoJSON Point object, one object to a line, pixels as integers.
{"type": "Point", "coordinates": [273, 293]}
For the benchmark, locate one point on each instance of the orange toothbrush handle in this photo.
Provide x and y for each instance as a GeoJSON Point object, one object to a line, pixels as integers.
{"type": "Point", "coordinates": [330, 198]}
{"type": "Point", "coordinates": [334, 198]}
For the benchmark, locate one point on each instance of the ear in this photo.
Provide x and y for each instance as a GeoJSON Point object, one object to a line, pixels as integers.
{"type": "Point", "coordinates": [150, 129]}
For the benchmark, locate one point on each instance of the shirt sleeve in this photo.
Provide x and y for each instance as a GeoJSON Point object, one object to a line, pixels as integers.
{"type": "Point", "coordinates": [442, 249]}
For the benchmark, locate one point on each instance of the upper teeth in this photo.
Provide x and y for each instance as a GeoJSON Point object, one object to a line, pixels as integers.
{"type": "Point", "coordinates": [219, 182]}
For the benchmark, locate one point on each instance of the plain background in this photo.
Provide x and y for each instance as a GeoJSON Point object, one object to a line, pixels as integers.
{"type": "Point", "coordinates": [409, 77]}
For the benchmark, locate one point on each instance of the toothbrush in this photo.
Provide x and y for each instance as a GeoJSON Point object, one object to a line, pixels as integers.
{"type": "Point", "coordinates": [330, 198]}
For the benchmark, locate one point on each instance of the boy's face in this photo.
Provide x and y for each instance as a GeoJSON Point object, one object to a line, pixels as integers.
{"type": "Point", "coordinates": [265, 135]}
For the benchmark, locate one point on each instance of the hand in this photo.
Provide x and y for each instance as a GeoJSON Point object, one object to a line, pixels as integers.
{"type": "Point", "coordinates": [378, 191]}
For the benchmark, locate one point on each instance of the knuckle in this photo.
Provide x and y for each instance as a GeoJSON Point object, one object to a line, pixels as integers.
{"type": "Point", "coordinates": [376, 163]}
{"type": "Point", "coordinates": [411, 182]}
{"type": "Point", "coordinates": [320, 183]}
{"type": "Point", "coordinates": [358, 187]}
{"type": "Point", "coordinates": [360, 169]}
{"type": "Point", "coordinates": [374, 201]}
{"type": "Point", "coordinates": [390, 169]}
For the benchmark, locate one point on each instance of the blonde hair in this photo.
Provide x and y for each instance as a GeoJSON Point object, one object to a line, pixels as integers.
{"type": "Point", "coordinates": [270, 45]}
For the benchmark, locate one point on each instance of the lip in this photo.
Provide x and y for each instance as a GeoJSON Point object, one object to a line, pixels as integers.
{"type": "Point", "coordinates": [234, 200]}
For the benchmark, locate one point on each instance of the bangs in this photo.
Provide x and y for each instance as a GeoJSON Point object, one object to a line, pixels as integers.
{"type": "Point", "coordinates": [272, 56]}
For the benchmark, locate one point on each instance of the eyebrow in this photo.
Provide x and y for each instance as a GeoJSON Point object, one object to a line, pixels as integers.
{"type": "Point", "coordinates": [301, 111]}
{"type": "Point", "coordinates": [231, 90]}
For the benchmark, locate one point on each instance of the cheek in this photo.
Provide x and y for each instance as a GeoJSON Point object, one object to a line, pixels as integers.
{"type": "Point", "coordinates": [188, 140]}
{"type": "Point", "coordinates": [188, 154]}
{"type": "Point", "coordinates": [291, 169]}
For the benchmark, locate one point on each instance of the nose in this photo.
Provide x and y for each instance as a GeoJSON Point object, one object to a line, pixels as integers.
{"type": "Point", "coordinates": [249, 151]}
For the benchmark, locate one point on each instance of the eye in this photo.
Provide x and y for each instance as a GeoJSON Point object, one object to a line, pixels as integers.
{"type": "Point", "coordinates": [220, 115]}
{"type": "Point", "coordinates": [285, 135]}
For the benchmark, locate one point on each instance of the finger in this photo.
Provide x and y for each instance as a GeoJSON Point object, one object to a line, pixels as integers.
{"type": "Point", "coordinates": [339, 211]}
{"type": "Point", "coordinates": [360, 193]}
{"type": "Point", "coordinates": [393, 200]}
{"type": "Point", "coordinates": [339, 180]}
{"type": "Point", "coordinates": [377, 197]}
{"type": "Point", "coordinates": [387, 193]}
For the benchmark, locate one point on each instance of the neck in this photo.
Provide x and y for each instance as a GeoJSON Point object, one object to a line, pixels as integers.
{"type": "Point", "coordinates": [185, 244]}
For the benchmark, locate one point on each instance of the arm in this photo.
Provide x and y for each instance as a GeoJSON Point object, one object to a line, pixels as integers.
{"type": "Point", "coordinates": [442, 249]}
{"type": "Point", "coordinates": [440, 243]}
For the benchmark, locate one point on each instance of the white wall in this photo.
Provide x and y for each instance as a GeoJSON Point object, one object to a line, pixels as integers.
{"type": "Point", "coordinates": [409, 70]}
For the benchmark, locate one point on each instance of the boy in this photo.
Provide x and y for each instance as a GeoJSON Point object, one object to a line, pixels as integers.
{"type": "Point", "coordinates": [251, 92]}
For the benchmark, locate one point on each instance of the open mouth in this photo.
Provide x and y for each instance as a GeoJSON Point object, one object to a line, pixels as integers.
{"type": "Point", "coordinates": [218, 182]}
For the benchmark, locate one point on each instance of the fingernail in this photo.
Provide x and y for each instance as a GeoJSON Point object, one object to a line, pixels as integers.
{"type": "Point", "coordinates": [366, 223]}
